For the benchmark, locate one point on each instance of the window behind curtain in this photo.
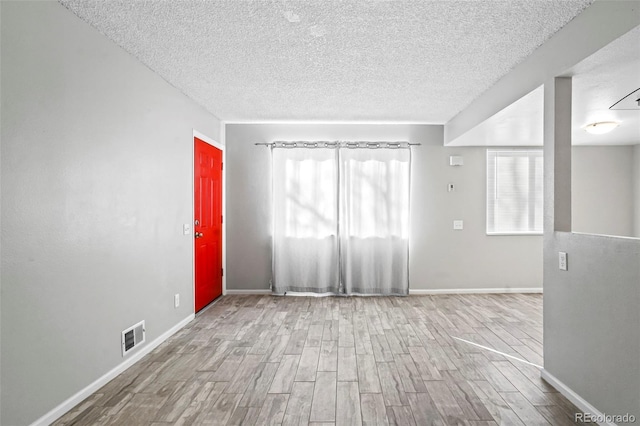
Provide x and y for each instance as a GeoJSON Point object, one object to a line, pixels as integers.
{"type": "Point", "coordinates": [310, 197]}
{"type": "Point", "coordinates": [375, 194]}
{"type": "Point", "coordinates": [514, 191]}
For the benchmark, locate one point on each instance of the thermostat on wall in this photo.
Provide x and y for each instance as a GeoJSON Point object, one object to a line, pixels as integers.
{"type": "Point", "coordinates": [456, 160]}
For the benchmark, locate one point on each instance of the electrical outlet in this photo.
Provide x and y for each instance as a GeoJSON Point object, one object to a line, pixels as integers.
{"type": "Point", "coordinates": [176, 300]}
{"type": "Point", "coordinates": [562, 261]}
{"type": "Point", "coordinates": [458, 225]}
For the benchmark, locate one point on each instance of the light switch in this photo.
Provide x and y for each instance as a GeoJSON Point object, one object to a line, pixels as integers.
{"type": "Point", "coordinates": [451, 187]}
{"type": "Point", "coordinates": [186, 229]}
{"type": "Point", "coordinates": [458, 225]}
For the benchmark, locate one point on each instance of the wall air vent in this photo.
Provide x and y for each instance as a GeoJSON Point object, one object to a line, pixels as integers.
{"type": "Point", "coordinates": [132, 337]}
{"type": "Point", "coordinates": [629, 102]}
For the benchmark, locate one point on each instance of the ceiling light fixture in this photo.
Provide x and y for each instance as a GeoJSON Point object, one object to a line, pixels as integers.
{"type": "Point", "coordinates": [601, 127]}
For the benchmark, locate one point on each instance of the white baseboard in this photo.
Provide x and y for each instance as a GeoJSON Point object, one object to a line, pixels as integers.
{"type": "Point", "coordinates": [74, 400]}
{"type": "Point", "coordinates": [418, 291]}
{"type": "Point", "coordinates": [576, 399]}
{"type": "Point", "coordinates": [261, 291]}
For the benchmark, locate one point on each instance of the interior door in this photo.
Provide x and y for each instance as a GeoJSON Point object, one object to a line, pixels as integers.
{"type": "Point", "coordinates": [207, 223]}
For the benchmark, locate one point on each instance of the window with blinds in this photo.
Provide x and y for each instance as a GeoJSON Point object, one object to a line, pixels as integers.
{"type": "Point", "coordinates": [514, 192]}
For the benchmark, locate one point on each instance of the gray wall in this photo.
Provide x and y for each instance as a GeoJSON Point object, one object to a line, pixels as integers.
{"type": "Point", "coordinates": [636, 190]}
{"type": "Point", "coordinates": [440, 258]}
{"type": "Point", "coordinates": [592, 320]}
{"type": "Point", "coordinates": [96, 184]}
{"type": "Point", "coordinates": [591, 315]}
{"type": "Point", "coordinates": [602, 190]}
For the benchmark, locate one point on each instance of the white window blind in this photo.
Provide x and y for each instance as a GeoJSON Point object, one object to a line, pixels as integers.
{"type": "Point", "coordinates": [514, 191]}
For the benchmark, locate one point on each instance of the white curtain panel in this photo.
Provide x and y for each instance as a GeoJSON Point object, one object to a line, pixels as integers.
{"type": "Point", "coordinates": [374, 220]}
{"type": "Point", "coordinates": [341, 220]}
{"type": "Point", "coordinates": [305, 220]}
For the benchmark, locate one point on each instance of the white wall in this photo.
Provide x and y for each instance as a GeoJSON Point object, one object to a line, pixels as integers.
{"type": "Point", "coordinates": [602, 190]}
{"type": "Point", "coordinates": [440, 258]}
{"type": "Point", "coordinates": [96, 184]}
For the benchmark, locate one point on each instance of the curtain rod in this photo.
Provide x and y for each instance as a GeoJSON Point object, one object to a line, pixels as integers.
{"type": "Point", "coordinates": [336, 144]}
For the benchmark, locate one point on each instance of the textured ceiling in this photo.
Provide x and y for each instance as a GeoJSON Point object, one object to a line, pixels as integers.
{"type": "Point", "coordinates": [420, 61]}
{"type": "Point", "coordinates": [599, 81]}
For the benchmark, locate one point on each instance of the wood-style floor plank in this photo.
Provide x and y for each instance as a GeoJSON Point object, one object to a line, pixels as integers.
{"type": "Point", "coordinates": [445, 402]}
{"type": "Point", "coordinates": [210, 393]}
{"type": "Point", "coordinates": [411, 379]}
{"type": "Point", "coordinates": [390, 382]}
{"type": "Point", "coordinates": [347, 368]}
{"type": "Point", "coordinates": [348, 404]}
{"type": "Point", "coordinates": [283, 379]}
{"type": "Point", "coordinates": [328, 360]}
{"type": "Point", "coordinates": [299, 404]}
{"type": "Point", "coordinates": [308, 364]}
{"type": "Point", "coordinates": [400, 416]}
{"type": "Point", "coordinates": [258, 387]}
{"type": "Point", "coordinates": [273, 409]}
{"type": "Point", "coordinates": [523, 408]}
{"type": "Point", "coordinates": [373, 409]}
{"type": "Point", "coordinates": [368, 374]}
{"type": "Point", "coordinates": [254, 360]}
{"type": "Point", "coordinates": [424, 410]}
{"type": "Point", "coordinates": [323, 406]}
{"type": "Point", "coordinates": [220, 412]}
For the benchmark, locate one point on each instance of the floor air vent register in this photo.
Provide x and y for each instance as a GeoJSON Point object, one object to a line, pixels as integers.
{"type": "Point", "coordinates": [132, 337]}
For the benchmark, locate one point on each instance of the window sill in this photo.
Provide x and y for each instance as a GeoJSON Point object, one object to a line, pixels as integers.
{"type": "Point", "coordinates": [516, 234]}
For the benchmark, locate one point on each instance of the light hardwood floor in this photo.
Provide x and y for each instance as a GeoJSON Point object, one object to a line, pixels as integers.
{"type": "Point", "coordinates": [258, 360]}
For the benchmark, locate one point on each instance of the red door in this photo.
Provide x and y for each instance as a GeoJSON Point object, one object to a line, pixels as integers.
{"type": "Point", "coordinates": [207, 223]}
